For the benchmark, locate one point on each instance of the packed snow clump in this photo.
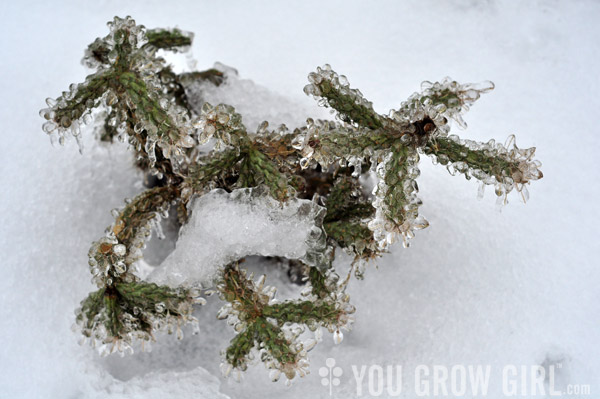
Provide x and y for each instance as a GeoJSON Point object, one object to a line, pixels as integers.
{"type": "Point", "coordinates": [224, 227]}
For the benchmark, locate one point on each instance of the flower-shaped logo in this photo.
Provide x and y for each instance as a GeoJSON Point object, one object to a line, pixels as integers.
{"type": "Point", "coordinates": [330, 374]}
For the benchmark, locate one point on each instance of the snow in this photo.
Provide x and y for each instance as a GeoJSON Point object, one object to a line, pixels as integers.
{"type": "Point", "coordinates": [225, 227]}
{"type": "Point", "coordinates": [195, 383]}
{"type": "Point", "coordinates": [249, 99]}
{"type": "Point", "coordinates": [476, 287]}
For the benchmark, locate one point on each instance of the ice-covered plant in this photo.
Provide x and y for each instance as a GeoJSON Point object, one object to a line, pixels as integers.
{"type": "Point", "coordinates": [309, 177]}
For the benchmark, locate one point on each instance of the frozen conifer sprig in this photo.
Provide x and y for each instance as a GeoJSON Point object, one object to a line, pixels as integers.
{"type": "Point", "coordinates": [271, 328]}
{"type": "Point", "coordinates": [127, 85]}
{"type": "Point", "coordinates": [143, 102]}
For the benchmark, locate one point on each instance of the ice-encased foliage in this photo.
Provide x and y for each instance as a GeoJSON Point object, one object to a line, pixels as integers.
{"type": "Point", "coordinates": [295, 193]}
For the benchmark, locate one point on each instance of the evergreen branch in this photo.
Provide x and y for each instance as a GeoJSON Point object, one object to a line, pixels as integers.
{"type": "Point", "coordinates": [345, 201]}
{"type": "Point", "coordinates": [352, 235]}
{"type": "Point", "coordinates": [305, 312]}
{"type": "Point", "coordinates": [260, 321]}
{"type": "Point", "coordinates": [398, 179]}
{"type": "Point", "coordinates": [344, 222]}
{"type": "Point", "coordinates": [175, 84]}
{"type": "Point", "coordinates": [446, 99]}
{"type": "Point", "coordinates": [159, 298]}
{"type": "Point", "coordinates": [124, 85]}
{"type": "Point", "coordinates": [74, 104]}
{"type": "Point", "coordinates": [258, 169]}
{"type": "Point", "coordinates": [239, 349]}
{"type": "Point", "coordinates": [90, 307]}
{"type": "Point", "coordinates": [280, 351]}
{"type": "Point", "coordinates": [335, 92]}
{"type": "Point", "coordinates": [211, 172]}
{"type": "Point", "coordinates": [97, 53]}
{"type": "Point", "coordinates": [223, 123]}
{"type": "Point", "coordinates": [169, 39]}
{"type": "Point", "coordinates": [111, 256]}
{"type": "Point", "coordinates": [137, 214]}
{"type": "Point", "coordinates": [155, 119]}
{"type": "Point", "coordinates": [506, 167]}
{"type": "Point", "coordinates": [120, 314]}
{"type": "Point", "coordinates": [329, 143]}
{"type": "Point", "coordinates": [447, 151]}
{"type": "Point", "coordinates": [396, 202]}
{"type": "Point", "coordinates": [318, 282]}
{"type": "Point", "coordinates": [211, 75]}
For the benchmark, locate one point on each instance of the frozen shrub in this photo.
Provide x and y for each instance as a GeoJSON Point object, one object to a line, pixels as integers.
{"type": "Point", "coordinates": [293, 193]}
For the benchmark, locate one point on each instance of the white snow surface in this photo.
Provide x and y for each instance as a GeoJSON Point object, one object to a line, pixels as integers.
{"type": "Point", "coordinates": [477, 287]}
{"type": "Point", "coordinates": [224, 227]}
{"type": "Point", "coordinates": [254, 102]}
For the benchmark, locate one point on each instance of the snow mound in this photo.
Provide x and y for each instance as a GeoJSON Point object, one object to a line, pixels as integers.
{"type": "Point", "coordinates": [254, 102]}
{"type": "Point", "coordinates": [193, 384]}
{"type": "Point", "coordinates": [224, 227]}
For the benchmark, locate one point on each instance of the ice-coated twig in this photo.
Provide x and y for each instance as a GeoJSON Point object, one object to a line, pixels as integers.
{"type": "Point", "coordinates": [272, 328]}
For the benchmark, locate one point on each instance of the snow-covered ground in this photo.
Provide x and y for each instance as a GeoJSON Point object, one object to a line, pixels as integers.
{"type": "Point", "coordinates": [478, 287]}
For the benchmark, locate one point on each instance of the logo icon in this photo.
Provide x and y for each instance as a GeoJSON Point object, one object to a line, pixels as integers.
{"type": "Point", "coordinates": [330, 374]}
